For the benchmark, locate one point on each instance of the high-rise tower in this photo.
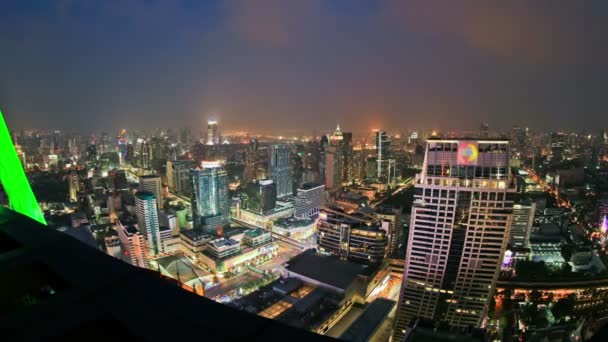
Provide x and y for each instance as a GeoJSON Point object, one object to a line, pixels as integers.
{"type": "Point", "coordinates": [213, 133]}
{"type": "Point", "coordinates": [210, 197]}
{"type": "Point", "coordinates": [251, 165]}
{"type": "Point", "coordinates": [460, 225]}
{"type": "Point", "coordinates": [74, 186]}
{"type": "Point", "coordinates": [152, 184]}
{"type": "Point", "coordinates": [279, 169]}
{"type": "Point", "coordinates": [147, 220]}
{"type": "Point", "coordinates": [383, 161]}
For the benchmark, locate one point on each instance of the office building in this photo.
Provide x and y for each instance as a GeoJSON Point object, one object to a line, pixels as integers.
{"type": "Point", "coordinates": [251, 165]}
{"type": "Point", "coordinates": [309, 199]}
{"type": "Point", "coordinates": [393, 216]}
{"type": "Point", "coordinates": [460, 223]}
{"type": "Point", "coordinates": [74, 186]}
{"type": "Point", "coordinates": [521, 226]}
{"type": "Point", "coordinates": [558, 145]}
{"type": "Point", "coordinates": [210, 197]}
{"type": "Point", "coordinates": [323, 145]}
{"type": "Point", "coordinates": [134, 245]}
{"type": "Point", "coordinates": [147, 220]}
{"type": "Point", "coordinates": [333, 170]}
{"type": "Point", "coordinates": [181, 177]}
{"type": "Point", "coordinates": [261, 196]}
{"type": "Point", "coordinates": [279, 169]}
{"type": "Point", "coordinates": [152, 184]}
{"type": "Point", "coordinates": [213, 133]}
{"type": "Point", "coordinates": [353, 237]}
{"type": "Point", "coordinates": [383, 156]}
{"type": "Point", "coordinates": [119, 178]}
{"type": "Point", "coordinates": [169, 173]}
{"type": "Point", "coordinates": [145, 155]}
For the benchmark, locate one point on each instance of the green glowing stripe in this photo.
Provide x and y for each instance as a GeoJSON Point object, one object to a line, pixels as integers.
{"type": "Point", "coordinates": [13, 179]}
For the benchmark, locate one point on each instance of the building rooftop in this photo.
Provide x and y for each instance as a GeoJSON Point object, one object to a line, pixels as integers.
{"type": "Point", "coordinates": [365, 325]}
{"type": "Point", "coordinates": [145, 195]}
{"type": "Point", "coordinates": [223, 242]}
{"type": "Point", "coordinates": [195, 235]}
{"type": "Point", "coordinates": [310, 186]}
{"type": "Point", "coordinates": [131, 229]}
{"type": "Point", "coordinates": [327, 269]}
{"type": "Point", "coordinates": [253, 233]}
{"type": "Point", "coordinates": [292, 222]}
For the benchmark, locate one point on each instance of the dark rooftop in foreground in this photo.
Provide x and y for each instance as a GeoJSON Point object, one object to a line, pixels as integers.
{"type": "Point", "coordinates": [366, 324]}
{"type": "Point", "coordinates": [48, 294]}
{"type": "Point", "coordinates": [328, 269]}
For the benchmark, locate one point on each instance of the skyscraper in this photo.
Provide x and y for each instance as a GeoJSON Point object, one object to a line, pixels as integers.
{"type": "Point", "coordinates": [147, 220]}
{"type": "Point", "coordinates": [323, 144]}
{"type": "Point", "coordinates": [181, 177]}
{"type": "Point", "coordinates": [251, 165]}
{"type": "Point", "coordinates": [210, 197]}
{"type": "Point", "coordinates": [309, 200]}
{"type": "Point", "coordinates": [333, 170]}
{"type": "Point", "coordinates": [521, 227]}
{"type": "Point", "coordinates": [558, 144]}
{"type": "Point", "coordinates": [460, 223]}
{"type": "Point", "coordinates": [152, 184]}
{"type": "Point", "coordinates": [347, 156]}
{"type": "Point", "coordinates": [145, 155]}
{"type": "Point", "coordinates": [213, 133]}
{"type": "Point", "coordinates": [74, 186]}
{"type": "Point", "coordinates": [261, 196]}
{"type": "Point", "coordinates": [169, 173]}
{"type": "Point", "coordinates": [279, 169]}
{"type": "Point", "coordinates": [382, 156]}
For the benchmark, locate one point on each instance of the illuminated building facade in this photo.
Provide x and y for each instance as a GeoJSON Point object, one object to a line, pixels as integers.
{"type": "Point", "coordinates": [213, 133]}
{"type": "Point", "coordinates": [309, 200]}
{"type": "Point", "coordinates": [210, 197]}
{"type": "Point", "coordinates": [251, 165]}
{"type": "Point", "coordinates": [152, 184]}
{"type": "Point", "coordinates": [74, 186]}
{"type": "Point", "coordinates": [134, 245]}
{"type": "Point", "coordinates": [261, 196]}
{"type": "Point", "coordinates": [180, 170]}
{"type": "Point", "coordinates": [147, 220]}
{"type": "Point", "coordinates": [383, 157]}
{"type": "Point", "coordinates": [521, 227]}
{"type": "Point", "coordinates": [352, 237]}
{"type": "Point", "coordinates": [460, 223]}
{"type": "Point", "coordinates": [279, 169]}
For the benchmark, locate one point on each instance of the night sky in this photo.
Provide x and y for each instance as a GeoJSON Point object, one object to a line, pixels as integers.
{"type": "Point", "coordinates": [300, 65]}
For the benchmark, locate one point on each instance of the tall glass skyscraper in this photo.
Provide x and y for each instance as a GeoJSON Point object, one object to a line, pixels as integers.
{"type": "Point", "coordinates": [383, 142]}
{"type": "Point", "coordinates": [210, 197]}
{"type": "Point", "coordinates": [147, 220]}
{"type": "Point", "coordinates": [279, 169]}
{"type": "Point", "coordinates": [213, 133]}
{"type": "Point", "coordinates": [460, 223]}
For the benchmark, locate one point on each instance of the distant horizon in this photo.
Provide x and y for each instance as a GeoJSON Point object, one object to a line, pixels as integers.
{"type": "Point", "coordinates": [363, 64]}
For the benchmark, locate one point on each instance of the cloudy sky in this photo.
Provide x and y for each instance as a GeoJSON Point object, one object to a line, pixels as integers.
{"type": "Point", "coordinates": [300, 65]}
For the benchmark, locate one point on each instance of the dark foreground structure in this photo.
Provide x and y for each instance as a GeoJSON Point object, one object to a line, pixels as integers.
{"type": "Point", "coordinates": [55, 288]}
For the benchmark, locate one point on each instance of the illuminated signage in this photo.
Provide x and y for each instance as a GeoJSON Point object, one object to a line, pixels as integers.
{"type": "Point", "coordinates": [467, 153]}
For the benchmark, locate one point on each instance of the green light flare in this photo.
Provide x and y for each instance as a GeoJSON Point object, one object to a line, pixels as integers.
{"type": "Point", "coordinates": [20, 196]}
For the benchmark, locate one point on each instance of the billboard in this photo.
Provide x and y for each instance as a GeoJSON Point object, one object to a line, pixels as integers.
{"type": "Point", "coordinates": [467, 153]}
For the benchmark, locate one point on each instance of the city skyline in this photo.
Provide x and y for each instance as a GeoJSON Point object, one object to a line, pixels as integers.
{"type": "Point", "coordinates": [179, 63]}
